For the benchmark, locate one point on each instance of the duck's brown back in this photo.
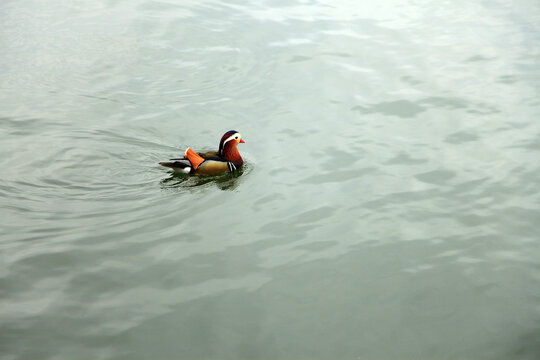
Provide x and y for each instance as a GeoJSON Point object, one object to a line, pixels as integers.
{"type": "Point", "coordinates": [210, 155]}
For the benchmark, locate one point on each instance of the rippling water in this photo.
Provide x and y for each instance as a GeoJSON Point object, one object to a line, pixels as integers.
{"type": "Point", "coordinates": [388, 207]}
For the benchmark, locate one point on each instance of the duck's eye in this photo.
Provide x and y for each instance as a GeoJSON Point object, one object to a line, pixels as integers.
{"type": "Point", "coordinates": [236, 137]}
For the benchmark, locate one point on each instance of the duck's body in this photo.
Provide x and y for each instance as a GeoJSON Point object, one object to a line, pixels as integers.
{"type": "Point", "coordinates": [226, 159]}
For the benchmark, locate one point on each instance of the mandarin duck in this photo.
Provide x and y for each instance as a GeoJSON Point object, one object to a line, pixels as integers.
{"type": "Point", "coordinates": [226, 159]}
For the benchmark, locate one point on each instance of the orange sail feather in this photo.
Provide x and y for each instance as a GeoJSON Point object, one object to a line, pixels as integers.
{"type": "Point", "coordinates": [193, 158]}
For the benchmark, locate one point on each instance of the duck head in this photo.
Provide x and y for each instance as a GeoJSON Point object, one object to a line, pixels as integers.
{"type": "Point", "coordinates": [228, 147]}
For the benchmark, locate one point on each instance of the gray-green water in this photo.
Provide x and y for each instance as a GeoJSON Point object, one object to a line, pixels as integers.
{"type": "Point", "coordinates": [389, 208]}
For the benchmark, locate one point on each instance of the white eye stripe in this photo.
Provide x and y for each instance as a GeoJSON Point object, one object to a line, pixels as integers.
{"type": "Point", "coordinates": [233, 136]}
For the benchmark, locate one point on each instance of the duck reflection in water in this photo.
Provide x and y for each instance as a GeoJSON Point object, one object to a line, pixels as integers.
{"type": "Point", "coordinates": [178, 180]}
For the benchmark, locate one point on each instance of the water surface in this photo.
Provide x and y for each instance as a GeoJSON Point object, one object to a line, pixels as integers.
{"type": "Point", "coordinates": [388, 208]}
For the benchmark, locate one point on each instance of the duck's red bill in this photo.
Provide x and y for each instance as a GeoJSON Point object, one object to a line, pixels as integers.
{"type": "Point", "coordinates": [242, 141]}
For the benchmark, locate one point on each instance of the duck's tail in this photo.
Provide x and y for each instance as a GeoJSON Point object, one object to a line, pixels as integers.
{"type": "Point", "coordinates": [181, 165]}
